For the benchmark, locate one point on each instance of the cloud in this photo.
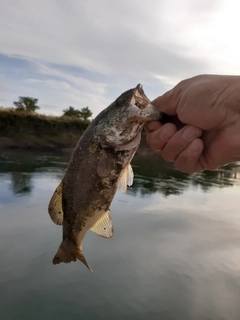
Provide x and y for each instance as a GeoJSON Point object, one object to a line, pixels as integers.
{"type": "Point", "coordinates": [107, 37]}
{"type": "Point", "coordinates": [78, 81]}
{"type": "Point", "coordinates": [80, 93]}
{"type": "Point", "coordinates": [91, 51]}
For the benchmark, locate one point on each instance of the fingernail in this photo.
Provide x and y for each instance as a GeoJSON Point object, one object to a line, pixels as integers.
{"type": "Point", "coordinates": [190, 133]}
{"type": "Point", "coordinates": [166, 133]}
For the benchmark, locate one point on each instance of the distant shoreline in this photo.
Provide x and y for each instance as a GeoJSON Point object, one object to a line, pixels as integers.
{"type": "Point", "coordinates": [7, 143]}
{"type": "Point", "coordinates": [11, 143]}
{"type": "Point", "coordinates": [22, 131]}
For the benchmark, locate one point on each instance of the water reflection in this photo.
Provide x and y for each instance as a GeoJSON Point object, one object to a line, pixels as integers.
{"type": "Point", "coordinates": [172, 257]}
{"type": "Point", "coordinates": [20, 167]}
{"type": "Point", "coordinates": [152, 173]}
{"type": "Point", "coordinates": [21, 183]}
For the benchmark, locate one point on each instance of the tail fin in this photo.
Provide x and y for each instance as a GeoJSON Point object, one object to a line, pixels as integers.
{"type": "Point", "coordinates": [68, 252]}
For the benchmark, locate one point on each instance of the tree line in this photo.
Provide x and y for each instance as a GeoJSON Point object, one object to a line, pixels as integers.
{"type": "Point", "coordinates": [30, 105]}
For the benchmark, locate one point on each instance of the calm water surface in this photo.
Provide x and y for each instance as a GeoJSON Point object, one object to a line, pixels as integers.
{"type": "Point", "coordinates": [175, 254]}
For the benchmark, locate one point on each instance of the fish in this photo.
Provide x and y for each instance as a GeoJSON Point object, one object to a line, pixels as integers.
{"type": "Point", "coordinates": [99, 164]}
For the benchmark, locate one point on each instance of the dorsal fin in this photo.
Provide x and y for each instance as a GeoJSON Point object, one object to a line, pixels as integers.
{"type": "Point", "coordinates": [126, 178]}
{"type": "Point", "coordinates": [55, 206]}
{"type": "Point", "coordinates": [103, 227]}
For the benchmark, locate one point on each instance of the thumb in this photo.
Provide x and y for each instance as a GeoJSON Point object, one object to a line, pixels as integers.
{"type": "Point", "coordinates": [168, 102]}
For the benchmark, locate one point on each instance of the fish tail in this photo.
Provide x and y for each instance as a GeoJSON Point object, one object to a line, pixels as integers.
{"type": "Point", "coordinates": [68, 252]}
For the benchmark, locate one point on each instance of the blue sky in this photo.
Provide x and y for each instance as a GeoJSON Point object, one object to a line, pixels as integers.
{"type": "Point", "coordinates": [85, 53]}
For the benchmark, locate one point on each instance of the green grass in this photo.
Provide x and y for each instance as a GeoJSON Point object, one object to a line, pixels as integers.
{"type": "Point", "coordinates": [40, 132]}
{"type": "Point", "coordinates": [19, 129]}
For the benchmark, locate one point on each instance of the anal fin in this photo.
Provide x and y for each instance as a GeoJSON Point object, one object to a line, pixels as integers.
{"type": "Point", "coordinates": [103, 227]}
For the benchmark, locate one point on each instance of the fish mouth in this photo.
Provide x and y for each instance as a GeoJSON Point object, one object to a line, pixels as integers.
{"type": "Point", "coordinates": [140, 98]}
{"type": "Point", "coordinates": [147, 111]}
{"type": "Point", "coordinates": [152, 112]}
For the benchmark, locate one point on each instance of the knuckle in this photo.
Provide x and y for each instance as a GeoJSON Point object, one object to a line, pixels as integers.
{"type": "Point", "coordinates": [181, 111]}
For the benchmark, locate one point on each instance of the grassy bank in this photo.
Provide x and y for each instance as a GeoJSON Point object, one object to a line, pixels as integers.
{"type": "Point", "coordinates": [33, 131]}
{"type": "Point", "coordinates": [19, 130]}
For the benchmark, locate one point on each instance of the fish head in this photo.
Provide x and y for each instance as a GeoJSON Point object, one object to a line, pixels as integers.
{"type": "Point", "coordinates": [121, 123]}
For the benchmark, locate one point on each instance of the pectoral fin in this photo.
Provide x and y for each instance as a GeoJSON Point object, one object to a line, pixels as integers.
{"type": "Point", "coordinates": [105, 165]}
{"type": "Point", "coordinates": [103, 227]}
{"type": "Point", "coordinates": [126, 178]}
{"type": "Point", "coordinates": [55, 206]}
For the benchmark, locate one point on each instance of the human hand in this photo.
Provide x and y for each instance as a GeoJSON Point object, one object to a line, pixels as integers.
{"type": "Point", "coordinates": [207, 132]}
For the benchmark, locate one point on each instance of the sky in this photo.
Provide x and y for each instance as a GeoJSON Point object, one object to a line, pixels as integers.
{"type": "Point", "coordinates": [87, 52]}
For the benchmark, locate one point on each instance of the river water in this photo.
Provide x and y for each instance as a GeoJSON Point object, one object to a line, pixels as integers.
{"type": "Point", "coordinates": [175, 254]}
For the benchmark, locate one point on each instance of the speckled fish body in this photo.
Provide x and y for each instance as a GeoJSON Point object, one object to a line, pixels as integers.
{"type": "Point", "coordinates": [100, 163]}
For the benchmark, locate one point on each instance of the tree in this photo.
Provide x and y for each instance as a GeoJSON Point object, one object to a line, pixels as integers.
{"type": "Point", "coordinates": [82, 114]}
{"type": "Point", "coordinates": [71, 112]}
{"type": "Point", "coordinates": [85, 113]}
{"type": "Point", "coordinates": [26, 104]}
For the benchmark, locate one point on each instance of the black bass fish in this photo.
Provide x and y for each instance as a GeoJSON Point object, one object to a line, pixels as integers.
{"type": "Point", "coordinates": [100, 163]}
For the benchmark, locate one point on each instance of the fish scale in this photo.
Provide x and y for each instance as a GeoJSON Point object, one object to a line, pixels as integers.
{"type": "Point", "coordinates": [100, 163]}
